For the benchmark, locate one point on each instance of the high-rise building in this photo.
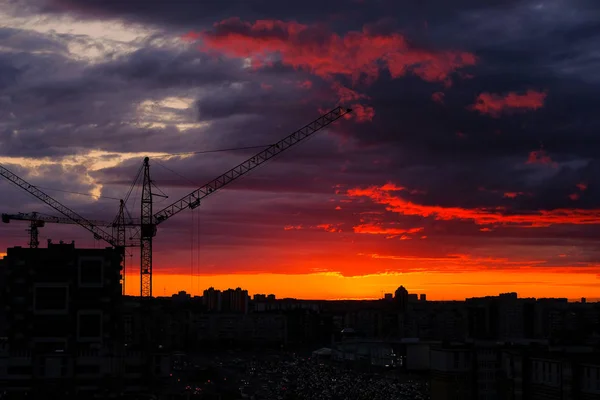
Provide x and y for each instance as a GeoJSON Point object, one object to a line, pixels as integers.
{"type": "Point", "coordinates": [401, 297]}
{"type": "Point", "coordinates": [62, 314]}
{"type": "Point", "coordinates": [211, 299]}
{"type": "Point", "coordinates": [235, 301]}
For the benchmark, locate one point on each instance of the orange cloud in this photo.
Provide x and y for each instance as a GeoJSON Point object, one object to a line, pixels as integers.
{"type": "Point", "coordinates": [375, 229]}
{"type": "Point", "coordinates": [358, 55]}
{"type": "Point", "coordinates": [387, 195]}
{"type": "Point", "coordinates": [458, 262]}
{"type": "Point", "coordinates": [540, 157]}
{"type": "Point", "coordinates": [494, 104]}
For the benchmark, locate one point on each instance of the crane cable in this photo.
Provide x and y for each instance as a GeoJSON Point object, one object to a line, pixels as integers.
{"type": "Point", "coordinates": [196, 232]}
{"type": "Point", "coordinates": [192, 254]}
{"type": "Point", "coordinates": [202, 152]}
{"type": "Point", "coordinates": [198, 252]}
{"type": "Point", "coordinates": [79, 193]}
{"type": "Point", "coordinates": [134, 183]}
{"type": "Point", "coordinates": [167, 155]}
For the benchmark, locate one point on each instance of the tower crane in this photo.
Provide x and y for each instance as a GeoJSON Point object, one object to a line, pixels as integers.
{"type": "Point", "coordinates": [147, 228]}
{"type": "Point", "coordinates": [118, 225]}
{"type": "Point", "coordinates": [39, 220]}
{"type": "Point", "coordinates": [150, 221]}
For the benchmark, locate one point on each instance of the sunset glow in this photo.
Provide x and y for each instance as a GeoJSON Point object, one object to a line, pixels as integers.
{"type": "Point", "coordinates": [437, 286]}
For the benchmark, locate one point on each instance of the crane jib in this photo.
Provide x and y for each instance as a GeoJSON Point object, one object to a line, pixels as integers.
{"type": "Point", "coordinates": [192, 200]}
{"type": "Point", "coordinates": [67, 212]}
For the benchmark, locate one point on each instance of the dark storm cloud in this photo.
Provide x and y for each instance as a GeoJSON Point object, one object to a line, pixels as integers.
{"type": "Point", "coordinates": [429, 127]}
{"type": "Point", "coordinates": [432, 127]}
{"type": "Point", "coordinates": [53, 104]}
{"type": "Point", "coordinates": [167, 69]}
{"type": "Point", "coordinates": [19, 41]}
{"type": "Point", "coordinates": [187, 14]}
{"type": "Point", "coordinates": [94, 106]}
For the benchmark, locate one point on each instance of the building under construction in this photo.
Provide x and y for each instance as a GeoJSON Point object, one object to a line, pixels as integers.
{"type": "Point", "coordinates": [62, 325]}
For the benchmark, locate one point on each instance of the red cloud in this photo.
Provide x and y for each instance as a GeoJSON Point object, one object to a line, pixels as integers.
{"type": "Point", "coordinates": [304, 84]}
{"type": "Point", "coordinates": [540, 157]}
{"type": "Point", "coordinates": [480, 216]}
{"type": "Point", "coordinates": [438, 97]}
{"type": "Point", "coordinates": [347, 95]}
{"type": "Point", "coordinates": [494, 104]}
{"type": "Point", "coordinates": [329, 228]}
{"type": "Point", "coordinates": [512, 195]}
{"type": "Point", "coordinates": [358, 55]}
{"type": "Point", "coordinates": [582, 186]}
{"type": "Point", "coordinates": [363, 113]}
{"type": "Point", "coordinates": [292, 227]}
{"type": "Point", "coordinates": [325, 53]}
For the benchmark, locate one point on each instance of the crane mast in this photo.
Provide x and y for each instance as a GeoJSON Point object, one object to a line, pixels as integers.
{"type": "Point", "coordinates": [119, 232]}
{"type": "Point", "coordinates": [147, 232]}
{"type": "Point", "coordinates": [34, 234]}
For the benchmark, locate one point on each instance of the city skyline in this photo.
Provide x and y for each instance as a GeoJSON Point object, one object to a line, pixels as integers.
{"type": "Point", "coordinates": [272, 296]}
{"type": "Point", "coordinates": [68, 332]}
{"type": "Point", "coordinates": [468, 167]}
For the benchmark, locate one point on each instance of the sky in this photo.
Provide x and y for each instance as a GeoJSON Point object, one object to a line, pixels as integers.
{"type": "Point", "coordinates": [469, 166]}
